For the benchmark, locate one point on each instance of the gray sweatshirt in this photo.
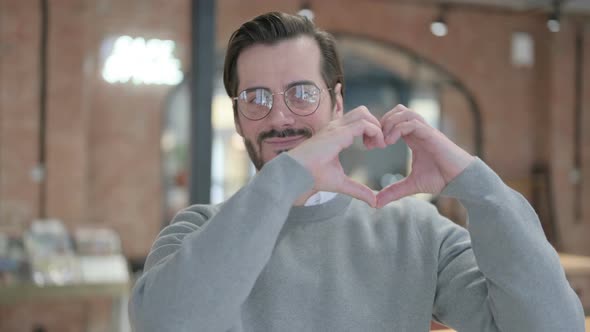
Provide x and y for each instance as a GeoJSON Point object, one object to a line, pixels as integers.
{"type": "Point", "coordinates": [256, 263]}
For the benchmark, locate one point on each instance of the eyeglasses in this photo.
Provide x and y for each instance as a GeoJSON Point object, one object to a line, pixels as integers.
{"type": "Point", "coordinates": [302, 99]}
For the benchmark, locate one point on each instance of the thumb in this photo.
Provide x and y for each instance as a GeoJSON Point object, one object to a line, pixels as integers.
{"type": "Point", "coordinates": [395, 191]}
{"type": "Point", "coordinates": [359, 191]}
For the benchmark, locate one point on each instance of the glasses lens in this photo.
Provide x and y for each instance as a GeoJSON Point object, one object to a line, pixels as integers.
{"type": "Point", "coordinates": [255, 103]}
{"type": "Point", "coordinates": [303, 99]}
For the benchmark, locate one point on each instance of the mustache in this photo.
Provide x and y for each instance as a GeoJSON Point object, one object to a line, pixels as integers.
{"type": "Point", "coordinates": [284, 133]}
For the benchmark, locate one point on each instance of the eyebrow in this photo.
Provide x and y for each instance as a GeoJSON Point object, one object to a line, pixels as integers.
{"type": "Point", "coordinates": [292, 84]}
{"type": "Point", "coordinates": [288, 86]}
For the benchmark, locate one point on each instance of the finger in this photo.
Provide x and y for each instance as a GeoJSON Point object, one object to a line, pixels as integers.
{"type": "Point", "coordinates": [372, 133]}
{"type": "Point", "coordinates": [368, 142]}
{"type": "Point", "coordinates": [402, 116]}
{"type": "Point", "coordinates": [373, 142]}
{"type": "Point", "coordinates": [362, 128]}
{"type": "Point", "coordinates": [404, 129]}
{"type": "Point", "coordinates": [398, 108]}
{"type": "Point", "coordinates": [395, 191]}
{"type": "Point", "coordinates": [361, 112]}
{"type": "Point", "coordinates": [393, 136]}
{"type": "Point", "coordinates": [395, 118]}
{"type": "Point", "coordinates": [392, 113]}
{"type": "Point", "coordinates": [359, 191]}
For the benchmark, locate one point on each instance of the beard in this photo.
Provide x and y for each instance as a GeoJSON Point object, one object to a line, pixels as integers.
{"type": "Point", "coordinates": [256, 154]}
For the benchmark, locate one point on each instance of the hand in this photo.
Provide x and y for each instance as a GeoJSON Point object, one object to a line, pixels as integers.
{"type": "Point", "coordinates": [436, 160]}
{"type": "Point", "coordinates": [319, 154]}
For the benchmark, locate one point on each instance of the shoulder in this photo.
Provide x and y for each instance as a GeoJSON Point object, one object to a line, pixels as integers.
{"type": "Point", "coordinates": [196, 215]}
{"type": "Point", "coordinates": [187, 221]}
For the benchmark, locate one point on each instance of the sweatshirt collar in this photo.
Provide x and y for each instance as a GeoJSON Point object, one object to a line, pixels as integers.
{"type": "Point", "coordinates": [324, 210]}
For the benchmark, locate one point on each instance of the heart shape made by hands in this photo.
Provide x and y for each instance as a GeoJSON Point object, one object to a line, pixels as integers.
{"type": "Point", "coordinates": [436, 160]}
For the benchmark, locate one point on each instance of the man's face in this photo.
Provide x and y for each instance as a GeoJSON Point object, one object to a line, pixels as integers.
{"type": "Point", "coordinates": [276, 67]}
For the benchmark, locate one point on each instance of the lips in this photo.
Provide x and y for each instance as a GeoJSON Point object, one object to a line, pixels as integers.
{"type": "Point", "coordinates": [282, 143]}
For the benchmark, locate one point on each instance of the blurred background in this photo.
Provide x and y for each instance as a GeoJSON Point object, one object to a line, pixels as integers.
{"type": "Point", "coordinates": [113, 117]}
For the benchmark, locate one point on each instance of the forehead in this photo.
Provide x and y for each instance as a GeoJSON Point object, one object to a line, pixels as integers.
{"type": "Point", "coordinates": [275, 66]}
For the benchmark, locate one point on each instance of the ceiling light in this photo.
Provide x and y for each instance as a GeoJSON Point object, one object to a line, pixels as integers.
{"type": "Point", "coordinates": [306, 11]}
{"type": "Point", "coordinates": [438, 27]}
{"type": "Point", "coordinates": [553, 23]}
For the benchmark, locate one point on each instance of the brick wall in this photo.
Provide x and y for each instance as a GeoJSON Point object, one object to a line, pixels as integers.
{"type": "Point", "coordinates": [103, 140]}
{"type": "Point", "coordinates": [19, 78]}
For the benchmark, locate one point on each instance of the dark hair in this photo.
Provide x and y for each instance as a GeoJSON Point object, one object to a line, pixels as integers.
{"type": "Point", "coordinates": [271, 28]}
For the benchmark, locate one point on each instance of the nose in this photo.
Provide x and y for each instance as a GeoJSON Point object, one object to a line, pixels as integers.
{"type": "Point", "coordinates": [280, 116]}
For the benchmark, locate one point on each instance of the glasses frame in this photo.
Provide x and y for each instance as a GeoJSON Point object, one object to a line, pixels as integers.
{"type": "Point", "coordinates": [236, 99]}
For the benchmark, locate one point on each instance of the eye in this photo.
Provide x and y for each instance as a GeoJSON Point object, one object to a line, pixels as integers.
{"type": "Point", "coordinates": [256, 96]}
{"type": "Point", "coordinates": [310, 94]}
{"type": "Point", "coordinates": [305, 93]}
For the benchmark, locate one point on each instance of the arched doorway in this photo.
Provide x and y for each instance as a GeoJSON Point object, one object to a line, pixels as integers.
{"type": "Point", "coordinates": [380, 75]}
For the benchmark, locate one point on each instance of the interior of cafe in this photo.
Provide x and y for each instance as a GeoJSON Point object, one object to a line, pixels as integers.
{"type": "Point", "coordinates": [114, 116]}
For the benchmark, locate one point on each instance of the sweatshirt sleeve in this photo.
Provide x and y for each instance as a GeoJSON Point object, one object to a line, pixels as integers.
{"type": "Point", "coordinates": [197, 277]}
{"type": "Point", "coordinates": [503, 275]}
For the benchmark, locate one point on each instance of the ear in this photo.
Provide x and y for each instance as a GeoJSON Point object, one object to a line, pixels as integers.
{"type": "Point", "coordinates": [338, 110]}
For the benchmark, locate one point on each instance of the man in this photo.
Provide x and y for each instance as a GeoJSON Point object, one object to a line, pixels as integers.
{"type": "Point", "coordinates": [302, 247]}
